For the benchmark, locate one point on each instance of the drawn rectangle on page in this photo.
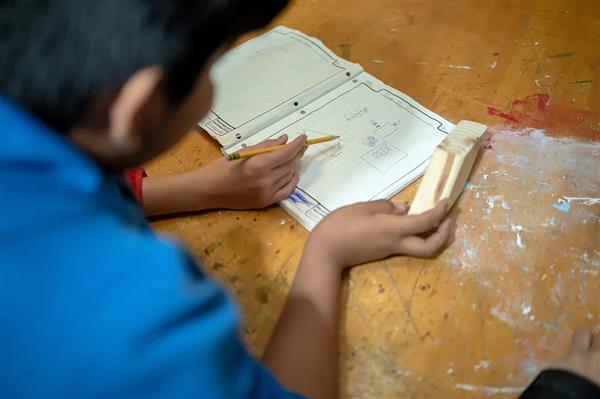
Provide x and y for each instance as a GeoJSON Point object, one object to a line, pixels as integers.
{"type": "Point", "coordinates": [384, 157]}
{"type": "Point", "coordinates": [387, 129]}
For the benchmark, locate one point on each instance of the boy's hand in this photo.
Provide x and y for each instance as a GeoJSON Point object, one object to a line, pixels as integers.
{"type": "Point", "coordinates": [307, 330]}
{"type": "Point", "coordinates": [374, 230]}
{"type": "Point", "coordinates": [248, 183]}
{"type": "Point", "coordinates": [254, 182]}
{"type": "Point", "coordinates": [583, 357]}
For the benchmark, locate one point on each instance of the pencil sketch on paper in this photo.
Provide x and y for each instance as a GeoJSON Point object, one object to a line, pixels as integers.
{"type": "Point", "coordinates": [384, 157]}
{"type": "Point", "coordinates": [375, 124]}
{"type": "Point", "coordinates": [355, 114]}
{"type": "Point", "coordinates": [371, 141]}
{"type": "Point", "coordinates": [323, 151]}
{"type": "Point", "coordinates": [385, 137]}
{"type": "Point", "coordinates": [388, 129]}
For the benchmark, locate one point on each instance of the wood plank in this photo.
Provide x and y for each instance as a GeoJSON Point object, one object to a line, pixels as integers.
{"type": "Point", "coordinates": [449, 167]}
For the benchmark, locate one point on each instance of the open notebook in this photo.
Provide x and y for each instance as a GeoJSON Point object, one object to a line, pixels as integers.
{"type": "Point", "coordinates": [286, 82]}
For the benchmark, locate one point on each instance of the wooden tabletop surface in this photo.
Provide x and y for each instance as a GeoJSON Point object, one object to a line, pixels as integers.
{"type": "Point", "coordinates": [483, 318]}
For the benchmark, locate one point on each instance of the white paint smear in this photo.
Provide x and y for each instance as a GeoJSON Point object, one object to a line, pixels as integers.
{"type": "Point", "coordinates": [519, 241]}
{"type": "Point", "coordinates": [516, 227]}
{"type": "Point", "coordinates": [468, 67]}
{"type": "Point", "coordinates": [583, 200]}
{"type": "Point", "coordinates": [484, 364]}
{"type": "Point", "coordinates": [488, 389]}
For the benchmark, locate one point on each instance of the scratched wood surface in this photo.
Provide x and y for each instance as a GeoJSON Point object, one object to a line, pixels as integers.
{"type": "Point", "coordinates": [498, 305]}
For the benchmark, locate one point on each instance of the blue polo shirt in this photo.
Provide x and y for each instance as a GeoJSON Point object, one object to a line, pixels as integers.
{"type": "Point", "coordinates": [92, 302]}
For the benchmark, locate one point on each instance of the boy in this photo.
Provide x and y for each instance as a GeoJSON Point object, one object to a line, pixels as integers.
{"type": "Point", "coordinates": [94, 304]}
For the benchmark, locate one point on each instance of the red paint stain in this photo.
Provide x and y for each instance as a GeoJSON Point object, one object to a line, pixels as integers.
{"type": "Point", "coordinates": [496, 112]}
{"type": "Point", "coordinates": [535, 111]}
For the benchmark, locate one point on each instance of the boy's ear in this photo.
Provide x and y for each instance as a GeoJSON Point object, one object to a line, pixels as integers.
{"type": "Point", "coordinates": [125, 117]}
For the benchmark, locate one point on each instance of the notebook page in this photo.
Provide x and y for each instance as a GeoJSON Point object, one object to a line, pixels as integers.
{"type": "Point", "coordinates": [268, 78]}
{"type": "Point", "coordinates": [386, 141]}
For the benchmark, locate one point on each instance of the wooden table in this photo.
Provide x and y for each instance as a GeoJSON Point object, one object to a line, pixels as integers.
{"type": "Point", "coordinates": [501, 302]}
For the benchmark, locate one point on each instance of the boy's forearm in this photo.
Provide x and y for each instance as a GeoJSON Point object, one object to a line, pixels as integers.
{"type": "Point", "coordinates": [172, 194]}
{"type": "Point", "coordinates": [302, 352]}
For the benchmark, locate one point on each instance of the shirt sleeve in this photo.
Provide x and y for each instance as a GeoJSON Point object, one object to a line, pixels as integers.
{"type": "Point", "coordinates": [561, 384]}
{"type": "Point", "coordinates": [134, 178]}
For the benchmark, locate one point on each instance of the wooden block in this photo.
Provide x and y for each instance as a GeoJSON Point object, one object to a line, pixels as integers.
{"type": "Point", "coordinates": [450, 167]}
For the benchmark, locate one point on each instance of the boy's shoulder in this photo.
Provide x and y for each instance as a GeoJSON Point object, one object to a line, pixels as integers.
{"type": "Point", "coordinates": [91, 299]}
{"type": "Point", "coordinates": [99, 306]}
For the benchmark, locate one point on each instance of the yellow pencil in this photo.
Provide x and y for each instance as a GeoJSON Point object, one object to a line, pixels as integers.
{"type": "Point", "coordinates": [251, 153]}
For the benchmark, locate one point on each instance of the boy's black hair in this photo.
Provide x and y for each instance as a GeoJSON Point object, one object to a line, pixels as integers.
{"type": "Point", "coordinates": [58, 55]}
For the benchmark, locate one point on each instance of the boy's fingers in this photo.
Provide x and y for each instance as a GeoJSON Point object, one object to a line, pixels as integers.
{"type": "Point", "coordinates": [286, 190]}
{"type": "Point", "coordinates": [581, 341]}
{"type": "Point", "coordinates": [401, 208]}
{"type": "Point", "coordinates": [296, 164]}
{"type": "Point", "coordinates": [268, 143]}
{"type": "Point", "coordinates": [385, 206]}
{"type": "Point", "coordinates": [416, 224]}
{"type": "Point", "coordinates": [285, 154]}
{"type": "Point", "coordinates": [427, 247]}
{"type": "Point", "coordinates": [281, 171]}
{"type": "Point", "coordinates": [283, 180]}
{"type": "Point", "coordinates": [378, 206]}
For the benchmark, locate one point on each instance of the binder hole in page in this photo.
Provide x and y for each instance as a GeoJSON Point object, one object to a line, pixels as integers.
{"type": "Point", "coordinates": [303, 112]}
{"type": "Point", "coordinates": [355, 80]}
{"type": "Point", "coordinates": [238, 136]}
{"type": "Point", "coordinates": [295, 103]}
{"type": "Point", "coordinates": [244, 145]}
{"type": "Point", "coordinates": [347, 73]}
